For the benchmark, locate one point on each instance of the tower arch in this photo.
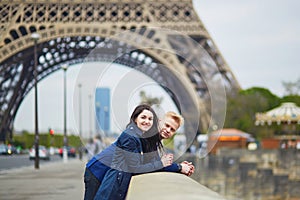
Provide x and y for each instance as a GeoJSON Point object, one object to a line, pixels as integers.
{"type": "Point", "coordinates": [182, 56]}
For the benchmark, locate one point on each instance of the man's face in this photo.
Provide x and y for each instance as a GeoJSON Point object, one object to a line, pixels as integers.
{"type": "Point", "coordinates": [168, 127]}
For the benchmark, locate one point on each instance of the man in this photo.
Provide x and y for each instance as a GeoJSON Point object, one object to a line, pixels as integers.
{"type": "Point", "coordinates": [168, 127]}
{"type": "Point", "coordinates": [99, 145]}
{"type": "Point", "coordinates": [96, 169]}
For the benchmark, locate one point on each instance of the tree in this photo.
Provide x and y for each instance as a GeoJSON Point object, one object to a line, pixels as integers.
{"type": "Point", "coordinates": [292, 88]}
{"type": "Point", "coordinates": [150, 100]}
{"type": "Point", "coordinates": [291, 98]}
{"type": "Point", "coordinates": [242, 107]}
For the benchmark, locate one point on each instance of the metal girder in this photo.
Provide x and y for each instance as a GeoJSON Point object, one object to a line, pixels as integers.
{"type": "Point", "coordinates": [163, 39]}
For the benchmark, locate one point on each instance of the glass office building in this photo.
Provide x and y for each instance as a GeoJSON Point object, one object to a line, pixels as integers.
{"type": "Point", "coordinates": [102, 108]}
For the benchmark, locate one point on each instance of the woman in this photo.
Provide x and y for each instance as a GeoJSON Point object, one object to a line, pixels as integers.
{"type": "Point", "coordinates": [116, 164]}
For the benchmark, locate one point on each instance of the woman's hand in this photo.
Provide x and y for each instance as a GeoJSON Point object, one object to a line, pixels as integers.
{"type": "Point", "coordinates": [167, 159]}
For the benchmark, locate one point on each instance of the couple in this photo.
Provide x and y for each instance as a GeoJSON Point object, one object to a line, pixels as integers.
{"type": "Point", "coordinates": [137, 150]}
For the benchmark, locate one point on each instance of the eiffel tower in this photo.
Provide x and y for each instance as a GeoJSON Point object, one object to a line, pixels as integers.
{"type": "Point", "coordinates": [164, 39]}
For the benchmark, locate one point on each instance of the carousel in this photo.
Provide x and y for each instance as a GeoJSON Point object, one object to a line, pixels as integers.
{"type": "Point", "coordinates": [287, 115]}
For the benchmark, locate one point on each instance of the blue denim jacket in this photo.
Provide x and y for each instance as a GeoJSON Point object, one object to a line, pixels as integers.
{"type": "Point", "coordinates": [126, 161]}
{"type": "Point", "coordinates": [102, 162]}
{"type": "Point", "coordinates": [115, 165]}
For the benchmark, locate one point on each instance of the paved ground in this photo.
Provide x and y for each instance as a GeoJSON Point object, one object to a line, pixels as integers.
{"type": "Point", "coordinates": [64, 181]}
{"type": "Point", "coordinates": [53, 181]}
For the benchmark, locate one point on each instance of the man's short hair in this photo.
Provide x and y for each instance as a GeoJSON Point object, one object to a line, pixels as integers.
{"type": "Point", "coordinates": [177, 117]}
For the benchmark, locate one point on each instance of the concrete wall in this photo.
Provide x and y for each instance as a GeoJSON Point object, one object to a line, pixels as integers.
{"type": "Point", "coordinates": [166, 186]}
{"type": "Point", "coordinates": [251, 175]}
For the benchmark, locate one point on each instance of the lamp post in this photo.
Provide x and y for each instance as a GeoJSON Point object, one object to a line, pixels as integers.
{"type": "Point", "coordinates": [91, 116]}
{"type": "Point", "coordinates": [80, 121]}
{"type": "Point", "coordinates": [98, 110]}
{"type": "Point", "coordinates": [65, 151]}
{"type": "Point", "coordinates": [35, 37]}
{"type": "Point", "coordinates": [105, 120]}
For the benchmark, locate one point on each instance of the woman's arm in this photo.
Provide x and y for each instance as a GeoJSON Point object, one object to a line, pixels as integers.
{"type": "Point", "coordinates": [129, 156]}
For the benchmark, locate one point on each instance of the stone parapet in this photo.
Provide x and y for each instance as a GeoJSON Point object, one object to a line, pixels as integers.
{"type": "Point", "coordinates": [166, 185]}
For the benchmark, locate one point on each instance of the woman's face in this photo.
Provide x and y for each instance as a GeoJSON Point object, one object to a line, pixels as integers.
{"type": "Point", "coordinates": [144, 120]}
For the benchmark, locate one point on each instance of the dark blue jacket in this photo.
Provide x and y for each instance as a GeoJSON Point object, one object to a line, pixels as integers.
{"type": "Point", "coordinates": [115, 165]}
{"type": "Point", "coordinates": [102, 162]}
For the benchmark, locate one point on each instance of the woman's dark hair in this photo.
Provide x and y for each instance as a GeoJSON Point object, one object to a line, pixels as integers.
{"type": "Point", "coordinates": [151, 139]}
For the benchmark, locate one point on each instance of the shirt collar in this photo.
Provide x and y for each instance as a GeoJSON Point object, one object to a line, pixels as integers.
{"type": "Point", "coordinates": [133, 128]}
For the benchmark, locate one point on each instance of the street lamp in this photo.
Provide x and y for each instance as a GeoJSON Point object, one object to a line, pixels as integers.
{"type": "Point", "coordinates": [91, 116]}
{"type": "Point", "coordinates": [98, 110]}
{"type": "Point", "coordinates": [105, 120]}
{"type": "Point", "coordinates": [65, 151]}
{"type": "Point", "coordinates": [35, 37]}
{"type": "Point", "coordinates": [80, 121]}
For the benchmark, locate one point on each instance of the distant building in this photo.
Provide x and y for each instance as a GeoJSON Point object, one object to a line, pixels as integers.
{"type": "Point", "coordinates": [228, 138]}
{"type": "Point", "coordinates": [102, 108]}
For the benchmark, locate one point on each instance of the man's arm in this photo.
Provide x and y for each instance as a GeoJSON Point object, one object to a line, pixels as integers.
{"type": "Point", "coordinates": [184, 167]}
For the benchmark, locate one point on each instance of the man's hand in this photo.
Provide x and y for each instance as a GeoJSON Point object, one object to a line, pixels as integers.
{"type": "Point", "coordinates": [187, 168]}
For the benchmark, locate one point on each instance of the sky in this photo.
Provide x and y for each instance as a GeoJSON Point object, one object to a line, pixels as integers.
{"type": "Point", "coordinates": [124, 83]}
{"type": "Point", "coordinates": [259, 39]}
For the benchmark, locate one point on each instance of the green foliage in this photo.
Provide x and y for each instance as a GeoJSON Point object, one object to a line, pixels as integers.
{"type": "Point", "coordinates": [169, 143]}
{"type": "Point", "coordinates": [29, 140]}
{"type": "Point", "coordinates": [150, 100]}
{"type": "Point", "coordinates": [74, 141]}
{"type": "Point", "coordinates": [262, 97]}
{"type": "Point", "coordinates": [18, 141]}
{"type": "Point", "coordinates": [26, 140]}
{"type": "Point", "coordinates": [291, 98]}
{"type": "Point", "coordinates": [242, 107]}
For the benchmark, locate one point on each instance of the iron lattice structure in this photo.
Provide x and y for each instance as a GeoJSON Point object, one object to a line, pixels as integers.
{"type": "Point", "coordinates": [161, 38]}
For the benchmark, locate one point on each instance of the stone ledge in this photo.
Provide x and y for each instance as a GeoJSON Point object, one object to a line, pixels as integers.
{"type": "Point", "coordinates": [166, 185]}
